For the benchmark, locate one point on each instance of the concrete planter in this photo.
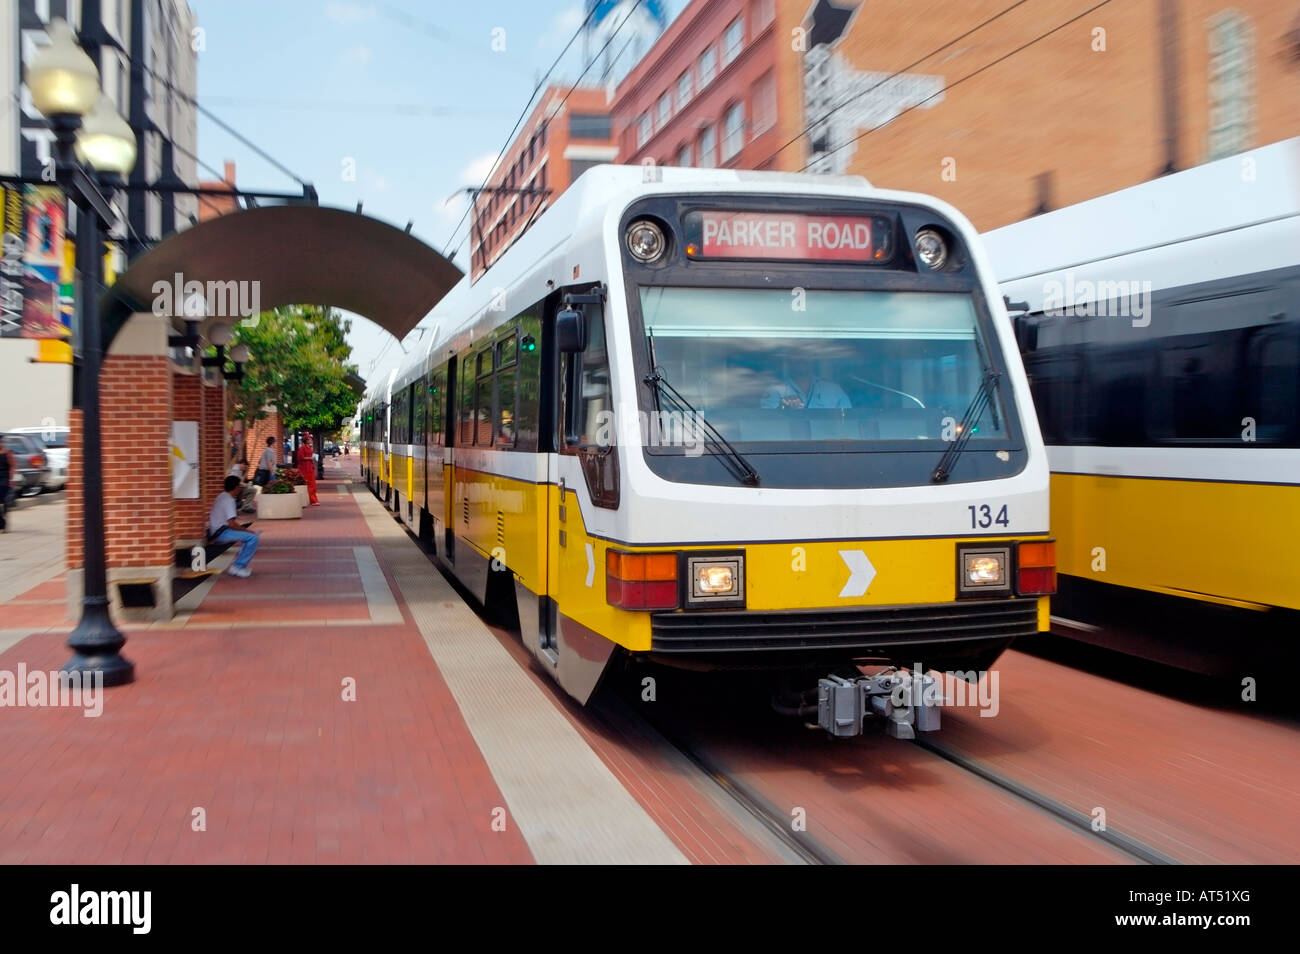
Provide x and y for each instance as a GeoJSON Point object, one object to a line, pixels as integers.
{"type": "Point", "coordinates": [278, 507]}
{"type": "Point", "coordinates": [301, 491]}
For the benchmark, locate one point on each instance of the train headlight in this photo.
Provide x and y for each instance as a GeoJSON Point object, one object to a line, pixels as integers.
{"type": "Point", "coordinates": [646, 241]}
{"type": "Point", "coordinates": [716, 580]}
{"type": "Point", "coordinates": [931, 249]}
{"type": "Point", "coordinates": [984, 571]}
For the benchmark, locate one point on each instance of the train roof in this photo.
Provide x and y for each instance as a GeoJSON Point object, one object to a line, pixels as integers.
{"type": "Point", "coordinates": [582, 208]}
{"type": "Point", "coordinates": [1251, 188]}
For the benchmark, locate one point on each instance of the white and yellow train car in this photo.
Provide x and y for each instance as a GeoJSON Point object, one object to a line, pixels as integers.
{"type": "Point", "coordinates": [731, 419]}
{"type": "Point", "coordinates": [1162, 341]}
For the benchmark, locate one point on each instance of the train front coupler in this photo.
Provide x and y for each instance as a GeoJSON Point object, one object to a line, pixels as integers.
{"type": "Point", "coordinates": [908, 702]}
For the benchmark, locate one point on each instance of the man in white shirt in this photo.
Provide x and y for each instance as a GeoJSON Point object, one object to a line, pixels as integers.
{"type": "Point", "coordinates": [223, 527]}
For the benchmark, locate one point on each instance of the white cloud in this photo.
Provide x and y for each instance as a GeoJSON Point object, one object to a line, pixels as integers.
{"type": "Point", "coordinates": [358, 55]}
{"type": "Point", "coordinates": [450, 209]}
{"type": "Point", "coordinates": [349, 12]}
{"type": "Point", "coordinates": [562, 27]}
{"type": "Point", "coordinates": [478, 168]}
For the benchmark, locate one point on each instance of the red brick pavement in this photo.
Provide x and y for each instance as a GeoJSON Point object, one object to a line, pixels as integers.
{"type": "Point", "coordinates": [247, 722]}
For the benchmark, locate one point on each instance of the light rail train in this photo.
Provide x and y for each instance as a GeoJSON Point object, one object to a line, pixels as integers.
{"type": "Point", "coordinates": [729, 420]}
{"type": "Point", "coordinates": [1162, 343]}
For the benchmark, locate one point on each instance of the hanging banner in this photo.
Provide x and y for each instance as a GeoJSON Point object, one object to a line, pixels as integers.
{"type": "Point", "coordinates": [43, 261]}
{"type": "Point", "coordinates": [11, 263]}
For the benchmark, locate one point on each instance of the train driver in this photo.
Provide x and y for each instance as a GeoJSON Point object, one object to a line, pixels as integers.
{"type": "Point", "coordinates": [801, 388]}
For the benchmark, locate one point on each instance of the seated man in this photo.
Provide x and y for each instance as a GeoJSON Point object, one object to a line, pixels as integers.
{"type": "Point", "coordinates": [224, 528]}
{"type": "Point", "coordinates": [800, 388]}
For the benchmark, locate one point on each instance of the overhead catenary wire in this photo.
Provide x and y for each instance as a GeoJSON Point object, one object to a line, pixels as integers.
{"type": "Point", "coordinates": [190, 100]}
{"type": "Point", "coordinates": [523, 114]}
{"type": "Point", "coordinates": [552, 113]}
{"type": "Point", "coordinates": [957, 82]}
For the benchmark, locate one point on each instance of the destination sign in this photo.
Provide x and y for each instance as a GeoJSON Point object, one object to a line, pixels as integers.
{"type": "Point", "coordinates": [790, 236]}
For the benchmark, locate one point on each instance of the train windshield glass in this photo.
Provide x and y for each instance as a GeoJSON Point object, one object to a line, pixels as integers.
{"type": "Point", "coordinates": [776, 366]}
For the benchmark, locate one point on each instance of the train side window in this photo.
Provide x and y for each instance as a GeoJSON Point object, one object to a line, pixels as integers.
{"type": "Point", "coordinates": [1273, 373]}
{"type": "Point", "coordinates": [419, 411]}
{"type": "Point", "coordinates": [465, 402]}
{"type": "Point", "coordinates": [507, 380]}
{"type": "Point", "coordinates": [588, 398]}
{"type": "Point", "coordinates": [437, 405]}
{"type": "Point", "coordinates": [1120, 390]}
{"type": "Point", "coordinates": [483, 415]}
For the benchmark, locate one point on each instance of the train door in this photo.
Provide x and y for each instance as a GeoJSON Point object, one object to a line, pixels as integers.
{"type": "Point", "coordinates": [444, 532]}
{"type": "Point", "coordinates": [581, 471]}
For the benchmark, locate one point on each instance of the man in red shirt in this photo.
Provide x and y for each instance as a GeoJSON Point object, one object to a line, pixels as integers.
{"type": "Point", "coordinates": [307, 467]}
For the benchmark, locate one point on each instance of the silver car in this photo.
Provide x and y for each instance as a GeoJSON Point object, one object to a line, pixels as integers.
{"type": "Point", "coordinates": [55, 441]}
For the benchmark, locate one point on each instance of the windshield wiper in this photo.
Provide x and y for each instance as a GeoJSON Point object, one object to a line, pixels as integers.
{"type": "Point", "coordinates": [981, 401]}
{"type": "Point", "coordinates": [719, 445]}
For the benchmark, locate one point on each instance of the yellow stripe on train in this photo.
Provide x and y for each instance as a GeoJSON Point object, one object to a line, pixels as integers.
{"type": "Point", "coordinates": [1227, 541]}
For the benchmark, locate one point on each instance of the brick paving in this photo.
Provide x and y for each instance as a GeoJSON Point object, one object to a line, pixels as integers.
{"type": "Point", "coordinates": [238, 710]}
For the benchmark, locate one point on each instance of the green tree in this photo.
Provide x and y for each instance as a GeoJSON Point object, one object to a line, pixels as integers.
{"type": "Point", "coordinates": [299, 363]}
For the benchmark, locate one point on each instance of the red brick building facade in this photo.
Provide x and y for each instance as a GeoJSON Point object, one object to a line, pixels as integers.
{"type": "Point", "coordinates": [566, 133]}
{"type": "Point", "coordinates": [1042, 106]}
{"type": "Point", "coordinates": [712, 91]}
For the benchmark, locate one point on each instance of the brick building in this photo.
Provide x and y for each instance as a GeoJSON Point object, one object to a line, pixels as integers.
{"type": "Point", "coordinates": [211, 206]}
{"type": "Point", "coordinates": [1118, 96]}
{"type": "Point", "coordinates": [560, 140]}
{"type": "Point", "coordinates": [714, 91]}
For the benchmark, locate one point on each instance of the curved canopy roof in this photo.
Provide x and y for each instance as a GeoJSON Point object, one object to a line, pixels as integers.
{"type": "Point", "coordinates": [299, 255]}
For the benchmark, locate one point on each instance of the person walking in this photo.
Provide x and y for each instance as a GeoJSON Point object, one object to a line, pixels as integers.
{"type": "Point", "coordinates": [307, 467]}
{"type": "Point", "coordinates": [224, 527]}
{"type": "Point", "coordinates": [265, 464]}
{"type": "Point", "coordinates": [8, 472]}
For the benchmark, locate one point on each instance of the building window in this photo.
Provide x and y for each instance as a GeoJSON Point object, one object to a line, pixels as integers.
{"type": "Point", "coordinates": [589, 126]}
{"type": "Point", "coordinates": [733, 135]}
{"type": "Point", "coordinates": [643, 130]}
{"type": "Point", "coordinates": [684, 155]}
{"type": "Point", "coordinates": [683, 89]}
{"type": "Point", "coordinates": [1231, 81]}
{"type": "Point", "coordinates": [665, 108]}
{"type": "Point", "coordinates": [708, 140]}
{"type": "Point", "coordinates": [764, 13]}
{"type": "Point", "coordinates": [733, 40]}
{"type": "Point", "coordinates": [708, 66]}
{"type": "Point", "coordinates": [764, 103]}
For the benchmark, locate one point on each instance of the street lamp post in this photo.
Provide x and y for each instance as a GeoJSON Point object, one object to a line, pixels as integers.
{"type": "Point", "coordinates": [64, 84]}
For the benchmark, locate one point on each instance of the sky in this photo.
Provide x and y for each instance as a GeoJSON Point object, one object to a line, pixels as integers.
{"type": "Point", "coordinates": [395, 103]}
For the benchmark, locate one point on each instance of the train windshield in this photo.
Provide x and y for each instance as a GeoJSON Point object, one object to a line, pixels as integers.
{"type": "Point", "coordinates": [779, 366]}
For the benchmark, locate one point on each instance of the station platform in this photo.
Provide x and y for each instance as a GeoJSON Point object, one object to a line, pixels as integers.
{"type": "Point", "coordinates": [341, 705]}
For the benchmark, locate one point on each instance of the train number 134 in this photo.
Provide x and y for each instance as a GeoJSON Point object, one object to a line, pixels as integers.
{"type": "Point", "coordinates": [983, 516]}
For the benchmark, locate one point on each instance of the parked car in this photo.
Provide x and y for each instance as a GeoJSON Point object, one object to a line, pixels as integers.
{"type": "Point", "coordinates": [331, 448]}
{"type": "Point", "coordinates": [55, 440]}
{"type": "Point", "coordinates": [33, 463]}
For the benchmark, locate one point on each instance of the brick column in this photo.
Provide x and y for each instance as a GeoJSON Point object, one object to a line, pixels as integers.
{"type": "Point", "coordinates": [139, 524]}
{"type": "Point", "coordinates": [214, 451]}
{"type": "Point", "coordinates": [259, 431]}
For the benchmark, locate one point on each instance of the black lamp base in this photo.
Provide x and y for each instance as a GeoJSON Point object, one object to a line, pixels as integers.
{"type": "Point", "coordinates": [117, 669]}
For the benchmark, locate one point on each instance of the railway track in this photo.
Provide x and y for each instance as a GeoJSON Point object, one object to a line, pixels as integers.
{"type": "Point", "coordinates": [1072, 817]}
{"type": "Point", "coordinates": [803, 846]}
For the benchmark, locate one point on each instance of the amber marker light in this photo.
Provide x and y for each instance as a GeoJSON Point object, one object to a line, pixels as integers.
{"type": "Point", "coordinates": [1036, 568]}
{"type": "Point", "coordinates": [641, 581]}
